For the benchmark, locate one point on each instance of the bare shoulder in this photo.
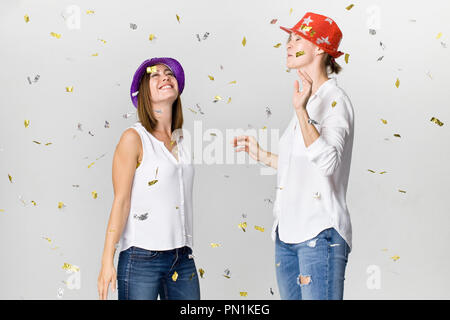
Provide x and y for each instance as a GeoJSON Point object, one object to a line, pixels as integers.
{"type": "Point", "coordinates": [130, 142]}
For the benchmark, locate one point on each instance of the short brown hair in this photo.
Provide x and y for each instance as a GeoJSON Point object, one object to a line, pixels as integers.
{"type": "Point", "coordinates": [331, 65]}
{"type": "Point", "coordinates": [145, 109]}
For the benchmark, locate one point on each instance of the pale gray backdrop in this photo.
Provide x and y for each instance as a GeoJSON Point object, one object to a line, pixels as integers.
{"type": "Point", "coordinates": [386, 223]}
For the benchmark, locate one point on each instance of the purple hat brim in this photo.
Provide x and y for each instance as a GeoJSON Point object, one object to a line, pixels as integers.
{"type": "Point", "coordinates": [171, 63]}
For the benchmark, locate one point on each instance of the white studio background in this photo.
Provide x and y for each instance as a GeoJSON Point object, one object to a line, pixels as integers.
{"type": "Point", "coordinates": [386, 222]}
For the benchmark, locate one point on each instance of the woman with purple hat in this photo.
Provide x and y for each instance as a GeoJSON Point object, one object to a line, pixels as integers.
{"type": "Point", "coordinates": [312, 228]}
{"type": "Point", "coordinates": [151, 214]}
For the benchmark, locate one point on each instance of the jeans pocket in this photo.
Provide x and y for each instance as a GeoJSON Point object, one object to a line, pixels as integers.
{"type": "Point", "coordinates": [143, 254]}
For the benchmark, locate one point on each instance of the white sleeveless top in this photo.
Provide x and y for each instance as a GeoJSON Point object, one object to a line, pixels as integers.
{"type": "Point", "coordinates": [160, 215]}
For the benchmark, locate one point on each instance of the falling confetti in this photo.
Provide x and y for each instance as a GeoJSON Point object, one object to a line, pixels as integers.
{"type": "Point", "coordinates": [268, 112]}
{"type": "Point", "coordinates": [178, 18]}
{"type": "Point", "coordinates": [259, 228]}
{"type": "Point", "coordinates": [215, 245]}
{"type": "Point", "coordinates": [277, 45]}
{"type": "Point", "coordinates": [271, 291]}
{"type": "Point", "coordinates": [273, 21]}
{"type": "Point", "coordinates": [69, 89]}
{"type": "Point", "coordinates": [244, 42]}
{"type": "Point", "coordinates": [150, 183]}
{"type": "Point", "coordinates": [333, 104]}
{"type": "Point", "coordinates": [397, 135]}
{"type": "Point", "coordinates": [383, 172]}
{"type": "Point", "coordinates": [371, 170]}
{"type": "Point", "coordinates": [106, 124]}
{"type": "Point", "coordinates": [211, 78]}
{"type": "Point", "coordinates": [151, 37]}
{"type": "Point", "coordinates": [384, 121]}
{"type": "Point", "coordinates": [226, 273]}
{"type": "Point", "coordinates": [55, 35]}
{"type": "Point", "coordinates": [395, 258]}
{"type": "Point", "coordinates": [151, 69]}
{"type": "Point", "coordinates": [26, 18]}
{"type": "Point", "coordinates": [278, 264]}
{"type": "Point", "coordinates": [229, 100]}
{"type": "Point", "coordinates": [90, 11]}
{"type": "Point", "coordinates": [90, 133]}
{"type": "Point", "coordinates": [217, 98]}
{"type": "Point", "coordinates": [242, 225]}
{"type": "Point", "coordinates": [26, 123]}
{"type": "Point", "coordinates": [10, 178]}
{"type": "Point", "coordinates": [350, 6]}
{"type": "Point", "coordinates": [397, 83]}
{"type": "Point", "coordinates": [290, 11]}
{"type": "Point", "coordinates": [380, 58]}
{"type": "Point", "coordinates": [439, 123]}
{"type": "Point", "coordinates": [439, 35]}
{"type": "Point", "coordinates": [192, 276]}
{"type": "Point", "coordinates": [133, 26]}
{"type": "Point", "coordinates": [104, 41]}
{"type": "Point", "coordinates": [60, 293]}
{"type": "Point", "coordinates": [69, 267]}
{"type": "Point", "coordinates": [402, 191]}
{"type": "Point", "coordinates": [299, 53]}
{"type": "Point", "coordinates": [372, 32]}
{"type": "Point", "coordinates": [346, 57]}
{"type": "Point", "coordinates": [316, 195]}
{"type": "Point", "coordinates": [243, 293]}
{"type": "Point", "coordinates": [91, 164]}
{"type": "Point", "coordinates": [175, 276]}
{"type": "Point", "coordinates": [94, 194]}
{"type": "Point", "coordinates": [202, 272]}
{"type": "Point", "coordinates": [232, 82]}
{"type": "Point", "coordinates": [141, 217]}
{"type": "Point", "coordinates": [382, 45]}
{"type": "Point", "coordinates": [61, 205]}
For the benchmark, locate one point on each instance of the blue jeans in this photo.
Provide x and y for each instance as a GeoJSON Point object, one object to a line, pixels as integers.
{"type": "Point", "coordinates": [313, 269]}
{"type": "Point", "coordinates": [143, 274]}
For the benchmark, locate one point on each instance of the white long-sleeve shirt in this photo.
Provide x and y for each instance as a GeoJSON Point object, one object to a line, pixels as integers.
{"type": "Point", "coordinates": [312, 182]}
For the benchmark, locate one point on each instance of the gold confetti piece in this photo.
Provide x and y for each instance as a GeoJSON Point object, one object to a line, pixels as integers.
{"type": "Point", "coordinates": [175, 276]}
{"type": "Point", "coordinates": [10, 178]}
{"type": "Point", "coordinates": [278, 264]}
{"type": "Point", "coordinates": [385, 249]}
{"type": "Point", "coordinates": [402, 191]}
{"type": "Point", "coordinates": [277, 45]}
{"type": "Point", "coordinates": [384, 121]}
{"type": "Point", "coordinates": [395, 258]}
{"type": "Point", "coordinates": [55, 35]}
{"type": "Point", "coordinates": [333, 104]}
{"type": "Point", "coordinates": [48, 239]}
{"type": "Point", "coordinates": [2, 210]}
{"type": "Point", "coordinates": [69, 89]}
{"type": "Point", "coordinates": [26, 18]}
{"type": "Point", "coordinates": [350, 6]}
{"type": "Point", "coordinates": [264, 128]}
{"type": "Point", "coordinates": [383, 172]}
{"type": "Point", "coordinates": [68, 266]}
{"type": "Point", "coordinates": [259, 228]}
{"type": "Point", "coordinates": [243, 293]}
{"type": "Point", "coordinates": [290, 11]}
{"type": "Point", "coordinates": [439, 123]}
{"type": "Point", "coordinates": [48, 143]}
{"type": "Point", "coordinates": [151, 37]}
{"type": "Point", "coordinates": [371, 170]}
{"type": "Point", "coordinates": [151, 69]}
{"type": "Point", "coordinates": [104, 41]}
{"type": "Point", "coordinates": [138, 164]}
{"type": "Point", "coordinates": [439, 35]}
{"type": "Point", "coordinates": [192, 276]}
{"type": "Point", "coordinates": [156, 174]}
{"type": "Point", "coordinates": [192, 110]}
{"type": "Point", "coordinates": [177, 207]}
{"type": "Point", "coordinates": [229, 100]}
{"type": "Point", "coordinates": [217, 98]}
{"type": "Point", "coordinates": [37, 142]}
{"type": "Point", "coordinates": [91, 164]}
{"type": "Point", "coordinates": [178, 18]}
{"type": "Point", "coordinates": [33, 202]}
{"type": "Point", "coordinates": [202, 272]}
{"type": "Point", "coordinates": [215, 245]}
{"type": "Point", "coordinates": [299, 53]}
{"type": "Point", "coordinates": [150, 183]}
{"type": "Point", "coordinates": [397, 135]}
{"type": "Point", "coordinates": [90, 11]}
{"type": "Point", "coordinates": [397, 83]}
{"type": "Point", "coordinates": [94, 194]}
{"type": "Point", "coordinates": [211, 78]}
{"type": "Point", "coordinates": [61, 205]}
{"type": "Point", "coordinates": [346, 58]}
{"type": "Point", "coordinates": [244, 42]}
{"type": "Point", "coordinates": [232, 82]}
{"type": "Point", "coordinates": [213, 134]}
{"type": "Point", "coordinates": [242, 225]}
{"type": "Point", "coordinates": [95, 54]}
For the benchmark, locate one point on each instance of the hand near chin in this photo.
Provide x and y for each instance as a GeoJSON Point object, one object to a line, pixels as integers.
{"type": "Point", "coordinates": [300, 98]}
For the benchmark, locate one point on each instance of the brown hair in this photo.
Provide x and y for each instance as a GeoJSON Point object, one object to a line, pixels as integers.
{"type": "Point", "coordinates": [331, 65]}
{"type": "Point", "coordinates": [145, 109]}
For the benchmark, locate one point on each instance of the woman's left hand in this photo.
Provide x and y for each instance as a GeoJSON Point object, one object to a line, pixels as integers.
{"type": "Point", "coordinates": [300, 98]}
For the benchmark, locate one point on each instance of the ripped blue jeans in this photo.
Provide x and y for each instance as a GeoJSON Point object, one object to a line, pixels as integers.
{"type": "Point", "coordinates": [313, 269]}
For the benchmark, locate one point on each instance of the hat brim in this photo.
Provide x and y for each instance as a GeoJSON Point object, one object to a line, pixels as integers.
{"type": "Point", "coordinates": [335, 55]}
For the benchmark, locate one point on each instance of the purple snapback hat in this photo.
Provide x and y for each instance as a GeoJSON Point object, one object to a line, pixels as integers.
{"type": "Point", "coordinates": [171, 63]}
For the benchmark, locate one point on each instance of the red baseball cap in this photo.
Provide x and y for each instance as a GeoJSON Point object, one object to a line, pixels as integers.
{"type": "Point", "coordinates": [320, 30]}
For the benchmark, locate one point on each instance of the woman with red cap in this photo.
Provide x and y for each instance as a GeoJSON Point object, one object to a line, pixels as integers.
{"type": "Point", "coordinates": [152, 208]}
{"type": "Point", "coordinates": [312, 228]}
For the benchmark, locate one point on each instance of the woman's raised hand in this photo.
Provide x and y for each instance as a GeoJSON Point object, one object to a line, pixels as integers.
{"type": "Point", "coordinates": [249, 145]}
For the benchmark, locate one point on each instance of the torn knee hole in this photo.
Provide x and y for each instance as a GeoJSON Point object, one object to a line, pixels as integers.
{"type": "Point", "coordinates": [304, 279]}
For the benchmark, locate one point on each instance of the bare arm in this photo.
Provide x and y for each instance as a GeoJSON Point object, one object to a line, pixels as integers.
{"type": "Point", "coordinates": [251, 146]}
{"type": "Point", "coordinates": [124, 167]}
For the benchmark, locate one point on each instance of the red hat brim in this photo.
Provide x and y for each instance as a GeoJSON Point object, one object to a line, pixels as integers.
{"type": "Point", "coordinates": [335, 55]}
